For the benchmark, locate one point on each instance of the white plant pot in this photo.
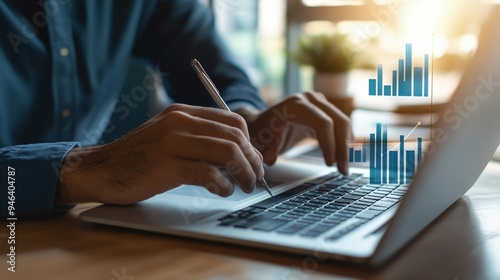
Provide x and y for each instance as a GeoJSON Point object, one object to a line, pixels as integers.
{"type": "Point", "coordinates": [332, 85]}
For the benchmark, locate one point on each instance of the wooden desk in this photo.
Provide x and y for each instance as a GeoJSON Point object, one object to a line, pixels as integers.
{"type": "Point", "coordinates": [463, 243]}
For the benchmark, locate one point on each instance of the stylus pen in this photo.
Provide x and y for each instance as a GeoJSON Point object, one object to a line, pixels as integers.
{"type": "Point", "coordinates": [214, 92]}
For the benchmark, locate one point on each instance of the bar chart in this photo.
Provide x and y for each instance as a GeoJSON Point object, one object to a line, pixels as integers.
{"type": "Point", "coordinates": [394, 166]}
{"type": "Point", "coordinates": [407, 80]}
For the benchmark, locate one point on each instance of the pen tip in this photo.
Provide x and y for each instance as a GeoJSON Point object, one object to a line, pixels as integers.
{"type": "Point", "coordinates": [264, 183]}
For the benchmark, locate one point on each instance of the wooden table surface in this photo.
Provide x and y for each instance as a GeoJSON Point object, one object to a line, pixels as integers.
{"type": "Point", "coordinates": [463, 243]}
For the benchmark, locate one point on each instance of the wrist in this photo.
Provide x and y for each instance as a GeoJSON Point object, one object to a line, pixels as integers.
{"type": "Point", "coordinates": [79, 176]}
{"type": "Point", "coordinates": [250, 114]}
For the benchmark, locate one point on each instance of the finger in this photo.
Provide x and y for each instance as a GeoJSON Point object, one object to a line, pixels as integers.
{"type": "Point", "coordinates": [272, 150]}
{"type": "Point", "coordinates": [203, 174]}
{"type": "Point", "coordinates": [342, 129]}
{"type": "Point", "coordinates": [204, 127]}
{"type": "Point", "coordinates": [323, 125]}
{"type": "Point", "coordinates": [213, 114]}
{"type": "Point", "coordinates": [220, 152]}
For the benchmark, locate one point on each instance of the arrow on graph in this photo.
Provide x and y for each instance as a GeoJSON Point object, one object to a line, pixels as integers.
{"type": "Point", "coordinates": [407, 135]}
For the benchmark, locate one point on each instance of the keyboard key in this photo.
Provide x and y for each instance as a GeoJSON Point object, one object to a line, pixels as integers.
{"type": "Point", "coordinates": [354, 208]}
{"type": "Point", "coordinates": [311, 233]}
{"type": "Point", "coordinates": [348, 188]}
{"type": "Point", "coordinates": [277, 210]}
{"type": "Point", "coordinates": [291, 229]}
{"type": "Point", "coordinates": [375, 197]}
{"type": "Point", "coordinates": [288, 218]}
{"type": "Point", "coordinates": [309, 218]}
{"type": "Point", "coordinates": [347, 213]}
{"type": "Point", "coordinates": [323, 211]}
{"type": "Point", "coordinates": [320, 200]}
{"type": "Point", "coordinates": [337, 183]}
{"type": "Point", "coordinates": [333, 207]}
{"type": "Point", "coordinates": [342, 215]}
{"type": "Point", "coordinates": [385, 199]}
{"type": "Point", "coordinates": [300, 210]}
{"type": "Point", "coordinates": [282, 206]}
{"type": "Point", "coordinates": [384, 204]}
{"type": "Point", "coordinates": [368, 214]}
{"type": "Point", "coordinates": [342, 201]}
{"type": "Point", "coordinates": [335, 218]}
{"type": "Point", "coordinates": [353, 176]}
{"type": "Point", "coordinates": [304, 223]}
{"type": "Point", "coordinates": [392, 196]}
{"type": "Point", "coordinates": [361, 204]}
{"type": "Point", "coordinates": [314, 205]}
{"type": "Point", "coordinates": [295, 213]}
{"type": "Point", "coordinates": [360, 192]}
{"type": "Point", "coordinates": [291, 203]}
{"type": "Point", "coordinates": [314, 214]}
{"type": "Point", "coordinates": [245, 223]}
{"type": "Point", "coordinates": [367, 200]}
{"type": "Point", "coordinates": [269, 225]}
{"type": "Point", "coordinates": [229, 221]}
{"type": "Point", "coordinates": [388, 188]}
{"type": "Point", "coordinates": [330, 196]}
{"type": "Point", "coordinates": [323, 179]}
{"type": "Point", "coordinates": [351, 196]}
{"type": "Point", "coordinates": [381, 192]}
{"type": "Point", "coordinates": [319, 227]}
{"type": "Point", "coordinates": [344, 231]}
{"type": "Point", "coordinates": [283, 196]}
{"type": "Point", "coordinates": [331, 223]}
{"type": "Point", "coordinates": [378, 208]}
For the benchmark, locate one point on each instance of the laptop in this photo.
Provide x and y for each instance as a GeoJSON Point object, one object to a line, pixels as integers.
{"type": "Point", "coordinates": [321, 213]}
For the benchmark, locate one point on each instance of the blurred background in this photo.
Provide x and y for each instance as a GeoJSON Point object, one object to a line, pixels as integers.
{"type": "Point", "coordinates": [265, 33]}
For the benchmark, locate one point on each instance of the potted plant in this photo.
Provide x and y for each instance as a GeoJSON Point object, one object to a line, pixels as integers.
{"type": "Point", "coordinates": [331, 56]}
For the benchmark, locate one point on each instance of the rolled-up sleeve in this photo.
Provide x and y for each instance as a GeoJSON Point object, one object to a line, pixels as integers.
{"type": "Point", "coordinates": [33, 184]}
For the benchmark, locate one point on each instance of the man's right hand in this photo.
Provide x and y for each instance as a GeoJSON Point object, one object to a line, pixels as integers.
{"type": "Point", "coordinates": [181, 145]}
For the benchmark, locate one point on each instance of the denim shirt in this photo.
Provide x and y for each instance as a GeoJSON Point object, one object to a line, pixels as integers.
{"type": "Point", "coordinates": [63, 63]}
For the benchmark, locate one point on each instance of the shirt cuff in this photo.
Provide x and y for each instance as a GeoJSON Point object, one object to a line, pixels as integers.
{"type": "Point", "coordinates": [36, 173]}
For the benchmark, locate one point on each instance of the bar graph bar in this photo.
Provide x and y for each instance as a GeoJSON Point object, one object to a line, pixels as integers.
{"type": "Point", "coordinates": [372, 87]}
{"type": "Point", "coordinates": [410, 165]}
{"type": "Point", "coordinates": [380, 79]}
{"type": "Point", "coordinates": [384, 154]}
{"type": "Point", "coordinates": [402, 158]}
{"type": "Point", "coordinates": [394, 166]}
{"type": "Point", "coordinates": [426, 75]}
{"type": "Point", "coordinates": [407, 80]}
{"type": "Point", "coordinates": [408, 76]}
{"type": "Point", "coordinates": [358, 155]}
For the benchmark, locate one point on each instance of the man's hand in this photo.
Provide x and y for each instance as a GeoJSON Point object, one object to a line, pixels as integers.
{"type": "Point", "coordinates": [181, 145]}
{"type": "Point", "coordinates": [280, 127]}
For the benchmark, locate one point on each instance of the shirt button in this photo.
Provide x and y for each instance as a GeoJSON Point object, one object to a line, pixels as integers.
{"type": "Point", "coordinates": [65, 113]}
{"type": "Point", "coordinates": [64, 52]}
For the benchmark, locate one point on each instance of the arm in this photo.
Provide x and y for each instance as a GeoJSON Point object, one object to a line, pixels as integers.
{"type": "Point", "coordinates": [181, 145]}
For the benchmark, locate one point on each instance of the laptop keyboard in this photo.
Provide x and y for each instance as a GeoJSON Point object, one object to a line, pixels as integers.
{"type": "Point", "coordinates": [319, 205]}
